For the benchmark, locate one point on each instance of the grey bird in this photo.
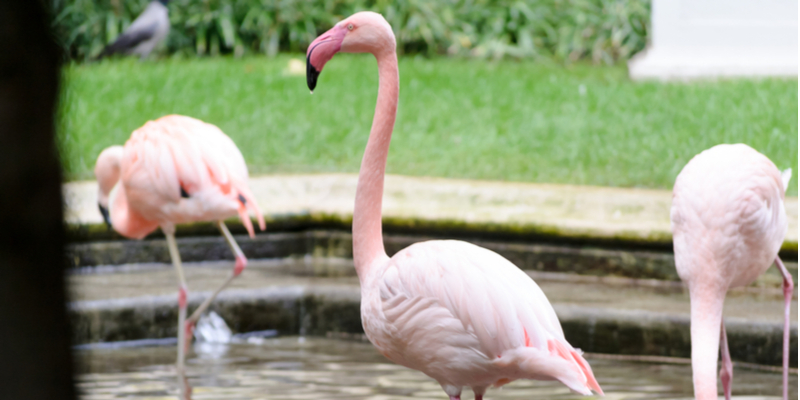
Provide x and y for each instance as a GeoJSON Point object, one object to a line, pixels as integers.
{"type": "Point", "coordinates": [142, 36]}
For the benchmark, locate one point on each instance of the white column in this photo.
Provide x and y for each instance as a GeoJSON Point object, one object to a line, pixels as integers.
{"type": "Point", "coordinates": [692, 39]}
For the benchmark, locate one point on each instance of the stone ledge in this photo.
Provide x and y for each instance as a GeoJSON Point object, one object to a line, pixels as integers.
{"type": "Point", "coordinates": [444, 207]}
{"type": "Point", "coordinates": [546, 257]}
{"type": "Point", "coordinates": [320, 309]}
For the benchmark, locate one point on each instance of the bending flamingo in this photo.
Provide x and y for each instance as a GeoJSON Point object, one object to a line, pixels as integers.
{"type": "Point", "coordinates": [728, 223]}
{"type": "Point", "coordinates": [461, 314]}
{"type": "Point", "coordinates": [176, 170]}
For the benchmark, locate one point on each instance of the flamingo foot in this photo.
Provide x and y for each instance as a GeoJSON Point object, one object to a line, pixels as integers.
{"type": "Point", "coordinates": [241, 263]}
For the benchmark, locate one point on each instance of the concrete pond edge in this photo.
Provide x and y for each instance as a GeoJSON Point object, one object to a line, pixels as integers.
{"type": "Point", "coordinates": [522, 231]}
{"type": "Point", "coordinates": [544, 257]}
{"type": "Point", "coordinates": [322, 310]}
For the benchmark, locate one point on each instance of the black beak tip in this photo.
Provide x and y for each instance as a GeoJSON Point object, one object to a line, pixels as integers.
{"type": "Point", "coordinates": [311, 74]}
{"type": "Point", "coordinates": [106, 217]}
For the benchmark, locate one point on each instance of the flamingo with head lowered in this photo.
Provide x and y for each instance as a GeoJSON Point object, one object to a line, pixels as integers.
{"type": "Point", "coordinates": [728, 223]}
{"type": "Point", "coordinates": [175, 170]}
{"type": "Point", "coordinates": [459, 313]}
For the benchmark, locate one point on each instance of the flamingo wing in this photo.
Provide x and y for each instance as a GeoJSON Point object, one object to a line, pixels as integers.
{"type": "Point", "coordinates": [490, 297]}
{"type": "Point", "coordinates": [177, 156]}
{"type": "Point", "coordinates": [455, 310]}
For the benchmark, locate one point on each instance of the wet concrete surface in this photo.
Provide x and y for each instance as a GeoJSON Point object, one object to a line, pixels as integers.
{"type": "Point", "coordinates": [541, 257]}
{"type": "Point", "coordinates": [318, 368]}
{"type": "Point", "coordinates": [137, 280]}
{"type": "Point", "coordinates": [319, 296]}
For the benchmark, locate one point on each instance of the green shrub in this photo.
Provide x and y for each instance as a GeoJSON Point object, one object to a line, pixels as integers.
{"type": "Point", "coordinates": [603, 31]}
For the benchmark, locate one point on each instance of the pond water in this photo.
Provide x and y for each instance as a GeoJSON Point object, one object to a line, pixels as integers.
{"type": "Point", "coordinates": [320, 368]}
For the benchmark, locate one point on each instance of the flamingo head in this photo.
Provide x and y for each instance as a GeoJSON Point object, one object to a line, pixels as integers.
{"type": "Point", "coordinates": [363, 32]}
{"type": "Point", "coordinates": [107, 172]}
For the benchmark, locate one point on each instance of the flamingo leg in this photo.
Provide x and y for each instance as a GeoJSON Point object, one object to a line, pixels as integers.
{"type": "Point", "coordinates": [726, 370]}
{"type": "Point", "coordinates": [479, 391]}
{"type": "Point", "coordinates": [454, 392]}
{"type": "Point", "coordinates": [241, 263]}
{"type": "Point", "coordinates": [788, 288]}
{"type": "Point", "coordinates": [182, 294]}
{"type": "Point", "coordinates": [186, 388]}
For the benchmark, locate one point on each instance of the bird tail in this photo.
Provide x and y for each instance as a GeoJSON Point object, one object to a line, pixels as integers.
{"type": "Point", "coordinates": [560, 362]}
{"type": "Point", "coordinates": [564, 351]}
{"type": "Point", "coordinates": [786, 176]}
{"type": "Point", "coordinates": [105, 53]}
{"type": "Point", "coordinates": [585, 375]}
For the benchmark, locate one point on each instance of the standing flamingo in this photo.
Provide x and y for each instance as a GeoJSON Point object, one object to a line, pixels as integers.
{"type": "Point", "coordinates": [176, 170]}
{"type": "Point", "coordinates": [459, 313]}
{"type": "Point", "coordinates": [728, 223]}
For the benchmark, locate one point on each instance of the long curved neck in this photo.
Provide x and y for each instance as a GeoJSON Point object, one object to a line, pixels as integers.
{"type": "Point", "coordinates": [367, 227]}
{"type": "Point", "coordinates": [126, 220]}
{"type": "Point", "coordinates": [107, 172]}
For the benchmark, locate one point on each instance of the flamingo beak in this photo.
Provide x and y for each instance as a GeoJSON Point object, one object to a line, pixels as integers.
{"type": "Point", "coordinates": [321, 50]}
{"type": "Point", "coordinates": [104, 213]}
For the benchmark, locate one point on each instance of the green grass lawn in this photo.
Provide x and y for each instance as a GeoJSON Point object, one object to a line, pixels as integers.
{"type": "Point", "coordinates": [513, 121]}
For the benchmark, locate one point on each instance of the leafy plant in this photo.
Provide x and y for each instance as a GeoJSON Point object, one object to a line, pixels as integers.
{"type": "Point", "coordinates": [603, 31]}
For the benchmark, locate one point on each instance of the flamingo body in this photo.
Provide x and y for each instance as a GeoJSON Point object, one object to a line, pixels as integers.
{"type": "Point", "coordinates": [176, 170]}
{"type": "Point", "coordinates": [466, 316]}
{"type": "Point", "coordinates": [728, 216]}
{"type": "Point", "coordinates": [728, 223]}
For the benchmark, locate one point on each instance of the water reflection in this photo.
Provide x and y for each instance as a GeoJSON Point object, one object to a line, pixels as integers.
{"type": "Point", "coordinates": [316, 368]}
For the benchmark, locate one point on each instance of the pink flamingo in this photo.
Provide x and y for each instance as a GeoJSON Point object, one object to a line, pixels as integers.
{"type": "Point", "coordinates": [176, 170]}
{"type": "Point", "coordinates": [728, 223]}
{"type": "Point", "coordinates": [461, 314]}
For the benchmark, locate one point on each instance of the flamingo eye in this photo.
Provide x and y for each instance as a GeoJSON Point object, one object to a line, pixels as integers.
{"type": "Point", "coordinates": [350, 27]}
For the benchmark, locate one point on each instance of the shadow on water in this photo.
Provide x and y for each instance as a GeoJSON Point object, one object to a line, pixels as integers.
{"type": "Point", "coordinates": [317, 368]}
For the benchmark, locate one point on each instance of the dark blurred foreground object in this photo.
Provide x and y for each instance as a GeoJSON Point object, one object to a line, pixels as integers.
{"type": "Point", "coordinates": [144, 34]}
{"type": "Point", "coordinates": [34, 330]}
